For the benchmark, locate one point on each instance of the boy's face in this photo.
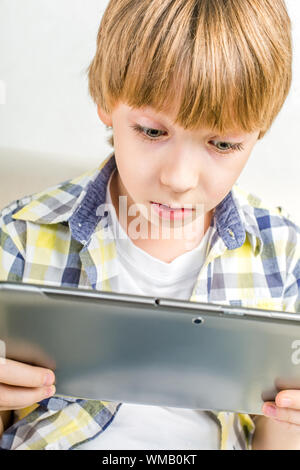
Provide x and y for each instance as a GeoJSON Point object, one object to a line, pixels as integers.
{"type": "Point", "coordinates": [163, 163]}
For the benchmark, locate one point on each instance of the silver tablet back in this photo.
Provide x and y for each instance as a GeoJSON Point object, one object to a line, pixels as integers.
{"type": "Point", "coordinates": [137, 349]}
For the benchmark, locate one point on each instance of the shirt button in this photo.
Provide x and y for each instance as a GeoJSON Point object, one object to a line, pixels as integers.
{"type": "Point", "coordinates": [231, 233]}
{"type": "Point", "coordinates": [79, 225]}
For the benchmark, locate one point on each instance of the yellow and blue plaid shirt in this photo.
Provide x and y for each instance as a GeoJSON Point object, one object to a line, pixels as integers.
{"type": "Point", "coordinates": [57, 238]}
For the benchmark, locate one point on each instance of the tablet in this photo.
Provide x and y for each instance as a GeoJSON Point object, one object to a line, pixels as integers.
{"type": "Point", "coordinates": [153, 351]}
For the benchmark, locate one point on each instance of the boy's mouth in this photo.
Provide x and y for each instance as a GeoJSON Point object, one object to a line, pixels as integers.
{"type": "Point", "coordinates": [170, 208]}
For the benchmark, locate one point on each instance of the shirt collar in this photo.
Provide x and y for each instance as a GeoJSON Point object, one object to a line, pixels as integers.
{"type": "Point", "coordinates": [76, 201]}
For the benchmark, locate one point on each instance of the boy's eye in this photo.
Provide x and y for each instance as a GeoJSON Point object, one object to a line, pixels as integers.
{"type": "Point", "coordinates": [152, 132]}
{"type": "Point", "coordinates": [147, 132]}
{"type": "Point", "coordinates": [152, 135]}
{"type": "Point", "coordinates": [226, 147]}
{"type": "Point", "coordinates": [222, 145]}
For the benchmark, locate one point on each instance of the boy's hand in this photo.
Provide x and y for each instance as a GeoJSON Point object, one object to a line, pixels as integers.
{"type": "Point", "coordinates": [282, 427]}
{"type": "Point", "coordinates": [22, 385]}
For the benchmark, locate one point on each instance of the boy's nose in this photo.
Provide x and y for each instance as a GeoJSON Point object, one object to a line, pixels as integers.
{"type": "Point", "coordinates": [180, 175]}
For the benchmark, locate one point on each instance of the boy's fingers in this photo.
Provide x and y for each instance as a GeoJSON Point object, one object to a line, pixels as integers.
{"type": "Point", "coordinates": [285, 415]}
{"type": "Point", "coordinates": [25, 375]}
{"type": "Point", "coordinates": [13, 398]}
{"type": "Point", "coordinates": [288, 399]}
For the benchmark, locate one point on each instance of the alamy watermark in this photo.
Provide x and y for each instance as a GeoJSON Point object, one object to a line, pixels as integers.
{"type": "Point", "coordinates": [186, 225]}
{"type": "Point", "coordinates": [2, 352]}
{"type": "Point", "coordinates": [295, 357]}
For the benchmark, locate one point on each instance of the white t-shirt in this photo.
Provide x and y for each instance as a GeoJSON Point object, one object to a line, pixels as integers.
{"type": "Point", "coordinates": [153, 427]}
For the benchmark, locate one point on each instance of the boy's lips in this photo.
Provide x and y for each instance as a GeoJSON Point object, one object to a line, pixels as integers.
{"type": "Point", "coordinates": [172, 207]}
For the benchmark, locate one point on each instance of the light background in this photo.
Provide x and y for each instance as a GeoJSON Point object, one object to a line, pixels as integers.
{"type": "Point", "coordinates": [49, 128]}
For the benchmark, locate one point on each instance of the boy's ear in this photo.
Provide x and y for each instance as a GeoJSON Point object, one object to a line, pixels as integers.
{"type": "Point", "coordinates": [105, 118]}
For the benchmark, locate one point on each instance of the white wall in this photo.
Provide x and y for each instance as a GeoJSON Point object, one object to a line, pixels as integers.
{"type": "Point", "coordinates": [48, 120]}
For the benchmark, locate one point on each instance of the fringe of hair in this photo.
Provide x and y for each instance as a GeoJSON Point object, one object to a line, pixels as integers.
{"type": "Point", "coordinates": [224, 64]}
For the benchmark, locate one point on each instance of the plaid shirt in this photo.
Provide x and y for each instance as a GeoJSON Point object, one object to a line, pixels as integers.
{"type": "Point", "coordinates": [56, 238]}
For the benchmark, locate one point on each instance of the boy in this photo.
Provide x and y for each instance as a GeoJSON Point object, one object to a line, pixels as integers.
{"type": "Point", "coordinates": [188, 87]}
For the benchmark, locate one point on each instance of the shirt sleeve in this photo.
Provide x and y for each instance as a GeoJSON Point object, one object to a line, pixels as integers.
{"type": "Point", "coordinates": [237, 430]}
{"type": "Point", "coordinates": [247, 424]}
{"type": "Point", "coordinates": [291, 291]}
{"type": "Point", "coordinates": [12, 249]}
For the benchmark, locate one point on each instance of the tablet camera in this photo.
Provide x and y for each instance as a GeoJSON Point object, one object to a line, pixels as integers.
{"type": "Point", "coordinates": [198, 320]}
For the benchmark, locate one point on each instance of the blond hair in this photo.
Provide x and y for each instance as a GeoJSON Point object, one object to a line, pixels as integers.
{"type": "Point", "coordinates": [228, 63]}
